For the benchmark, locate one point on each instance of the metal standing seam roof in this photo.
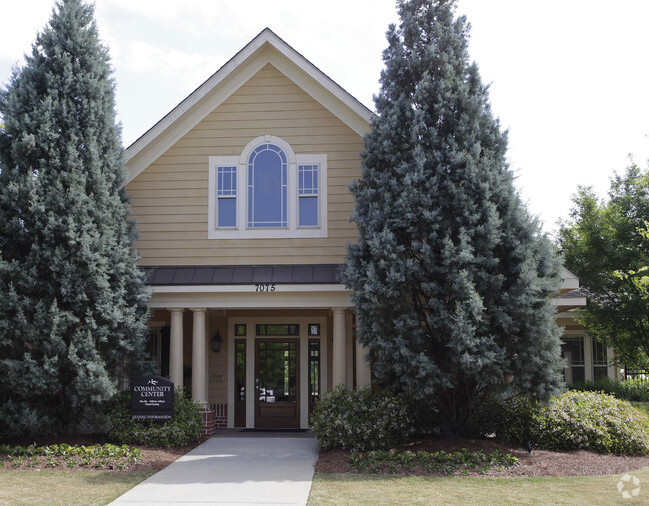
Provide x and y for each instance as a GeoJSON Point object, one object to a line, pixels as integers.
{"type": "Point", "coordinates": [241, 274]}
{"type": "Point", "coordinates": [572, 294]}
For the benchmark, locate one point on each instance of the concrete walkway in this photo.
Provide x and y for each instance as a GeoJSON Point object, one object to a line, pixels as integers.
{"type": "Point", "coordinates": [234, 468]}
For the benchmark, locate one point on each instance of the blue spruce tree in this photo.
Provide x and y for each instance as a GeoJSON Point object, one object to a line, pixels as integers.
{"type": "Point", "coordinates": [452, 278]}
{"type": "Point", "coordinates": [72, 299]}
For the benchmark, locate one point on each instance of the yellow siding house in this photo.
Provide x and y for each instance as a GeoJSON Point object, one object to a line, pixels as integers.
{"type": "Point", "coordinates": [242, 203]}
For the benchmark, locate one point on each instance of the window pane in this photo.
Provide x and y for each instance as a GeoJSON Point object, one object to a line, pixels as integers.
{"type": "Point", "coordinates": [572, 349]}
{"type": "Point", "coordinates": [314, 372]}
{"type": "Point", "coordinates": [308, 180]}
{"type": "Point", "coordinates": [227, 212]}
{"type": "Point", "coordinates": [267, 187]}
{"type": "Point", "coordinates": [600, 372]}
{"type": "Point", "coordinates": [227, 181]}
{"type": "Point", "coordinates": [599, 353]}
{"type": "Point", "coordinates": [308, 211]}
{"type": "Point", "coordinates": [278, 329]}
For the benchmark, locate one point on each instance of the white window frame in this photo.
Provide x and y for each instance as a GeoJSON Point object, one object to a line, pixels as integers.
{"type": "Point", "coordinates": [309, 193]}
{"type": "Point", "coordinates": [241, 230]}
{"type": "Point", "coordinates": [228, 196]}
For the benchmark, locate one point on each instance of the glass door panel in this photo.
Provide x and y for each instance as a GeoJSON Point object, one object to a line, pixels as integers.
{"type": "Point", "coordinates": [277, 383]}
{"type": "Point", "coordinates": [240, 382]}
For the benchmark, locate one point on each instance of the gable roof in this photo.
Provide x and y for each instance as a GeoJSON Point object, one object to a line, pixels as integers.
{"type": "Point", "coordinates": [265, 48]}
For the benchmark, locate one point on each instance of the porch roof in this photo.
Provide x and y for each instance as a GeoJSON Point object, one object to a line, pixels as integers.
{"type": "Point", "coordinates": [242, 274]}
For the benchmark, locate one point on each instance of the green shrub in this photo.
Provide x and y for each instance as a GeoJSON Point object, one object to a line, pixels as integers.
{"type": "Point", "coordinates": [382, 461]}
{"type": "Point", "coordinates": [592, 421]}
{"type": "Point", "coordinates": [516, 420]}
{"type": "Point", "coordinates": [183, 429]}
{"type": "Point", "coordinates": [361, 420]}
{"type": "Point", "coordinates": [95, 451]}
{"type": "Point", "coordinates": [628, 390]}
{"type": "Point", "coordinates": [575, 420]}
{"type": "Point", "coordinates": [98, 456]}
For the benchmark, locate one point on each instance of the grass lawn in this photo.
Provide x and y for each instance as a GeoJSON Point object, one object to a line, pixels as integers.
{"type": "Point", "coordinates": [65, 487]}
{"type": "Point", "coordinates": [372, 489]}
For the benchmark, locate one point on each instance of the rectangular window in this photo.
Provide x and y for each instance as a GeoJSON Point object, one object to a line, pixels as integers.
{"type": "Point", "coordinates": [308, 195]}
{"type": "Point", "coordinates": [278, 329]}
{"type": "Point", "coordinates": [600, 360]}
{"type": "Point", "coordinates": [152, 349]}
{"type": "Point", "coordinates": [240, 382]}
{"type": "Point", "coordinates": [227, 196]}
{"type": "Point", "coordinates": [572, 350]}
{"type": "Point", "coordinates": [314, 373]}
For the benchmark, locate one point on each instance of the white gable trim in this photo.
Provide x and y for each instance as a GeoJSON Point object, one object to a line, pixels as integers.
{"type": "Point", "coordinates": [263, 49]}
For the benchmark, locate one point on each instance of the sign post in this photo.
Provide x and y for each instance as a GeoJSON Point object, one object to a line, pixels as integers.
{"type": "Point", "coordinates": [152, 398]}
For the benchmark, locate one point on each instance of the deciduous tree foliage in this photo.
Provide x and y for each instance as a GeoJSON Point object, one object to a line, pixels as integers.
{"type": "Point", "coordinates": [452, 278]}
{"type": "Point", "coordinates": [606, 245]}
{"type": "Point", "coordinates": [72, 304]}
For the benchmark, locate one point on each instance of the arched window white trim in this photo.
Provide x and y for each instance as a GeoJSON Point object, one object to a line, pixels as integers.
{"type": "Point", "coordinates": [230, 189]}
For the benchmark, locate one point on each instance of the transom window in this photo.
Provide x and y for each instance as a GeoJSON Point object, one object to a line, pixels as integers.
{"type": "Point", "coordinates": [278, 329]}
{"type": "Point", "coordinates": [267, 191]}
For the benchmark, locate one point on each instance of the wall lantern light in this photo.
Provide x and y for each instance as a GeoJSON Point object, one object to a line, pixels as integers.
{"type": "Point", "coordinates": [217, 340]}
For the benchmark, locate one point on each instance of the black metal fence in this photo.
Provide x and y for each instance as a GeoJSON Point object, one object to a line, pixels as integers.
{"type": "Point", "coordinates": [640, 374]}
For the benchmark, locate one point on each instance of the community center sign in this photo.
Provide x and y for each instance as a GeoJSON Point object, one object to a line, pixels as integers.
{"type": "Point", "coordinates": [152, 398]}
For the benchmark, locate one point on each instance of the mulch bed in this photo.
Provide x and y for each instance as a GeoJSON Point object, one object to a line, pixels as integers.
{"type": "Point", "coordinates": [538, 463]}
{"type": "Point", "coordinates": [153, 459]}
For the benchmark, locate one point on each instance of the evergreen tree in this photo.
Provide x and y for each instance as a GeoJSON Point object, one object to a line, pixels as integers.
{"type": "Point", "coordinates": [72, 300]}
{"type": "Point", "coordinates": [452, 278]}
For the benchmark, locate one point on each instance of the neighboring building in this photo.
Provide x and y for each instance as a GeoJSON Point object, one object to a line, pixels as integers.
{"type": "Point", "coordinates": [586, 358]}
{"type": "Point", "coordinates": [242, 203]}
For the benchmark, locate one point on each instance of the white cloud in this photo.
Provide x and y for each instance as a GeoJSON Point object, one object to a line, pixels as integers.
{"type": "Point", "coordinates": [21, 21]}
{"type": "Point", "coordinates": [185, 70]}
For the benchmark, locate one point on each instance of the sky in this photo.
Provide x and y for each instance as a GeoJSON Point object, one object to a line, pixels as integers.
{"type": "Point", "coordinates": [568, 79]}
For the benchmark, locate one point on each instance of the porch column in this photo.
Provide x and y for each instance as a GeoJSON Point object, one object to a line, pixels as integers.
{"type": "Point", "coordinates": [363, 375]}
{"type": "Point", "coordinates": [339, 357]}
{"type": "Point", "coordinates": [199, 343]}
{"type": "Point", "coordinates": [176, 347]}
{"type": "Point", "coordinates": [588, 358]}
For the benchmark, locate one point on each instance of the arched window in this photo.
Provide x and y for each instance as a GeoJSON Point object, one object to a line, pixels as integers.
{"type": "Point", "coordinates": [267, 187]}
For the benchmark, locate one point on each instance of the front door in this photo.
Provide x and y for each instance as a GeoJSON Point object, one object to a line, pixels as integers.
{"type": "Point", "coordinates": [277, 383]}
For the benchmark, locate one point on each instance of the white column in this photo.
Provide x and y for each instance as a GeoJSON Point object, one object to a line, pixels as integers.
{"type": "Point", "coordinates": [363, 375]}
{"type": "Point", "coordinates": [588, 358]}
{"type": "Point", "coordinates": [612, 364]}
{"type": "Point", "coordinates": [199, 371]}
{"type": "Point", "coordinates": [176, 347]}
{"type": "Point", "coordinates": [339, 352]}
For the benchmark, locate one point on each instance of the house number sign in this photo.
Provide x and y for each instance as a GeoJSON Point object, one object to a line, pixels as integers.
{"type": "Point", "coordinates": [265, 287]}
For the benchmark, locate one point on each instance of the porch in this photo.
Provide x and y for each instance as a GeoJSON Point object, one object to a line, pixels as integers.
{"type": "Point", "coordinates": [256, 353]}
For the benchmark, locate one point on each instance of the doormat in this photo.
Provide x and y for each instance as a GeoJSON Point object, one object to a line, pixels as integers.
{"type": "Point", "coordinates": [273, 430]}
